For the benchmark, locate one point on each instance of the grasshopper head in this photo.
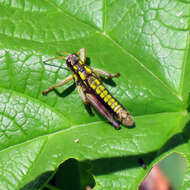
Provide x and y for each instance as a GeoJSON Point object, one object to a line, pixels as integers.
{"type": "Point", "coordinates": [72, 59]}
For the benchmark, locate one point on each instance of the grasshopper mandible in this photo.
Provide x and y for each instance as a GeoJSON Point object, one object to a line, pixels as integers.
{"type": "Point", "coordinates": [91, 90]}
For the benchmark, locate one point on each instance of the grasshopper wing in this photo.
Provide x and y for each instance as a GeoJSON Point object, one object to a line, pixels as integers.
{"type": "Point", "coordinates": [97, 104]}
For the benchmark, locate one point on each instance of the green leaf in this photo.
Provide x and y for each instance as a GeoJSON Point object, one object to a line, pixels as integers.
{"type": "Point", "coordinates": [146, 41]}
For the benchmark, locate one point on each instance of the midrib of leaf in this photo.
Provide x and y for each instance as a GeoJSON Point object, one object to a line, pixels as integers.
{"type": "Point", "coordinates": [104, 15]}
{"type": "Point", "coordinates": [185, 62]}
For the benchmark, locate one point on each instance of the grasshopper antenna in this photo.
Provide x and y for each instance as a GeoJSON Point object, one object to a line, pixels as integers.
{"type": "Point", "coordinates": [45, 62]}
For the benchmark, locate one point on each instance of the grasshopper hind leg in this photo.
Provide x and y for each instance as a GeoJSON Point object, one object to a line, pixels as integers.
{"type": "Point", "coordinates": [103, 73]}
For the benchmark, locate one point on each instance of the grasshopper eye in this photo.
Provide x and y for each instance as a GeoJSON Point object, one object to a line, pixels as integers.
{"type": "Point", "coordinates": [69, 59]}
{"type": "Point", "coordinates": [68, 62]}
{"type": "Point", "coordinates": [74, 55]}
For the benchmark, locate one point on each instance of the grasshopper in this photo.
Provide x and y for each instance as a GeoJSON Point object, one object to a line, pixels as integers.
{"type": "Point", "coordinates": [91, 90]}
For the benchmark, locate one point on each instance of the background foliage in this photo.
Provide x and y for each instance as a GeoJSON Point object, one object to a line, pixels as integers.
{"type": "Point", "coordinates": [147, 41]}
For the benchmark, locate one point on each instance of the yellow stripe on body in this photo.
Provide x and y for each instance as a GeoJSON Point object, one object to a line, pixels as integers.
{"type": "Point", "coordinates": [93, 82]}
{"type": "Point", "coordinates": [99, 89]}
{"type": "Point", "coordinates": [88, 70]}
{"type": "Point", "coordinates": [107, 98]}
{"type": "Point", "coordinates": [111, 101]}
{"type": "Point", "coordinates": [97, 82]}
{"type": "Point", "coordinates": [104, 93]}
{"type": "Point", "coordinates": [81, 62]}
{"type": "Point", "coordinates": [75, 68]}
{"type": "Point", "coordinates": [117, 107]}
{"type": "Point", "coordinates": [82, 76]}
{"type": "Point", "coordinates": [114, 105]}
{"type": "Point", "coordinates": [93, 86]}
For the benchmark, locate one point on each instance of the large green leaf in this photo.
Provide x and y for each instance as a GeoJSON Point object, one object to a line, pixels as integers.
{"type": "Point", "coordinates": [146, 41]}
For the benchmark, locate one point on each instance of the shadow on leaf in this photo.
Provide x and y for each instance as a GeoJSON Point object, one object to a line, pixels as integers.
{"type": "Point", "coordinates": [38, 182]}
{"type": "Point", "coordinates": [103, 166]}
{"type": "Point", "coordinates": [67, 91]}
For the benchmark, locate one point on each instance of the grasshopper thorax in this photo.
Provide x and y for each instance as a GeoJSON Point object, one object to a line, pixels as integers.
{"type": "Point", "coordinates": [72, 60]}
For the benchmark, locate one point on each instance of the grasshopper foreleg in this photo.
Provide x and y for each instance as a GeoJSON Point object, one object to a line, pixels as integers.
{"type": "Point", "coordinates": [103, 73]}
{"type": "Point", "coordinates": [63, 82]}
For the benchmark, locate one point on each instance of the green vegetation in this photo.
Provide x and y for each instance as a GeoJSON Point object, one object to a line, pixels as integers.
{"type": "Point", "coordinates": [146, 41]}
